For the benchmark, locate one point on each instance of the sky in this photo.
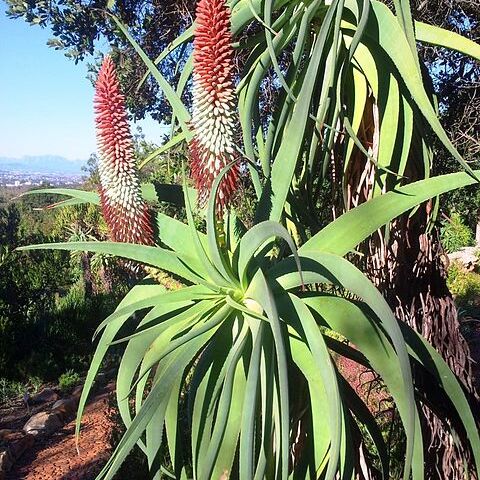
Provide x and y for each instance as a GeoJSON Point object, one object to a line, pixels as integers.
{"type": "Point", "coordinates": [46, 101]}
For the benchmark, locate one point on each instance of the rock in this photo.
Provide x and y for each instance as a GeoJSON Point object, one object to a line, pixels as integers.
{"type": "Point", "coordinates": [11, 435]}
{"type": "Point", "coordinates": [66, 407]}
{"type": "Point", "coordinates": [467, 257]}
{"type": "Point", "coordinates": [6, 461]}
{"type": "Point", "coordinates": [47, 395]}
{"type": "Point", "coordinates": [100, 380]}
{"type": "Point", "coordinates": [77, 391]}
{"type": "Point", "coordinates": [43, 423]}
{"type": "Point", "coordinates": [19, 446]}
{"type": "Point", "coordinates": [112, 373]}
{"type": "Point", "coordinates": [4, 434]}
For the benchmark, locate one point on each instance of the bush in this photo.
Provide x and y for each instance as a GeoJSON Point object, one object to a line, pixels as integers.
{"type": "Point", "coordinates": [68, 381]}
{"type": "Point", "coordinates": [465, 286]}
{"type": "Point", "coordinates": [10, 390]}
{"type": "Point", "coordinates": [455, 234]}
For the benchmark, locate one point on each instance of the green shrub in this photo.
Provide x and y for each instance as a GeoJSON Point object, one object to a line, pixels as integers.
{"type": "Point", "coordinates": [68, 380]}
{"type": "Point", "coordinates": [10, 390]}
{"type": "Point", "coordinates": [455, 234]}
{"type": "Point", "coordinates": [465, 286]}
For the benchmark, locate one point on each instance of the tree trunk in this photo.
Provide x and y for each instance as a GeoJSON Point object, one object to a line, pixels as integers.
{"type": "Point", "coordinates": [409, 271]}
{"type": "Point", "coordinates": [87, 274]}
{"type": "Point", "coordinates": [405, 263]}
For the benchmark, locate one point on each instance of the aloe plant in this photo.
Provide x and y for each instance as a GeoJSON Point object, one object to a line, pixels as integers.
{"type": "Point", "coordinates": [246, 339]}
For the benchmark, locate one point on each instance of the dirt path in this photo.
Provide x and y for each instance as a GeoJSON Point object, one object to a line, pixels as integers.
{"type": "Point", "coordinates": [56, 458]}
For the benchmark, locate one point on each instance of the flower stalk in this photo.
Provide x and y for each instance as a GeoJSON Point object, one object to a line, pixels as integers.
{"type": "Point", "coordinates": [213, 117]}
{"type": "Point", "coordinates": [124, 209]}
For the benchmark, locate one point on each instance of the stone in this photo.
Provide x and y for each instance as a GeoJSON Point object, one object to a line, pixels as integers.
{"type": "Point", "coordinates": [47, 395]}
{"type": "Point", "coordinates": [11, 436]}
{"type": "Point", "coordinates": [43, 423]}
{"type": "Point", "coordinates": [100, 380]}
{"type": "Point", "coordinates": [467, 257]}
{"type": "Point", "coordinates": [6, 461]}
{"type": "Point", "coordinates": [77, 391]}
{"type": "Point", "coordinates": [20, 445]}
{"type": "Point", "coordinates": [5, 433]}
{"type": "Point", "coordinates": [65, 407]}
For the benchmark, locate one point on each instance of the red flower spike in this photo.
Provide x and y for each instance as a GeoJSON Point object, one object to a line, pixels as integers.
{"type": "Point", "coordinates": [213, 119]}
{"type": "Point", "coordinates": [124, 210]}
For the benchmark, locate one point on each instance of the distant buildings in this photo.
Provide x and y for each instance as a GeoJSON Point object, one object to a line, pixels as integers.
{"type": "Point", "coordinates": [21, 179]}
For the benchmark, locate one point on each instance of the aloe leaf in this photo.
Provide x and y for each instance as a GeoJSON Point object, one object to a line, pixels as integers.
{"type": "Point", "coordinates": [171, 299]}
{"type": "Point", "coordinates": [242, 12]}
{"type": "Point", "coordinates": [350, 229]}
{"type": "Point", "coordinates": [424, 353]}
{"type": "Point", "coordinates": [391, 38]}
{"type": "Point", "coordinates": [286, 158]}
{"type": "Point", "coordinates": [440, 37]}
{"type": "Point", "coordinates": [360, 30]}
{"type": "Point", "coordinates": [260, 291]}
{"type": "Point", "coordinates": [185, 75]}
{"type": "Point", "coordinates": [155, 256]}
{"type": "Point", "coordinates": [185, 37]}
{"type": "Point", "coordinates": [303, 320]}
{"type": "Point", "coordinates": [204, 379]}
{"type": "Point", "coordinates": [133, 355]}
{"type": "Point", "coordinates": [136, 293]}
{"type": "Point", "coordinates": [158, 396]}
{"type": "Point", "coordinates": [181, 334]}
{"type": "Point", "coordinates": [364, 416]}
{"type": "Point", "coordinates": [349, 320]}
{"type": "Point", "coordinates": [267, 374]}
{"type": "Point", "coordinates": [247, 430]}
{"type": "Point", "coordinates": [223, 443]}
{"type": "Point", "coordinates": [208, 265]}
{"type": "Point", "coordinates": [177, 236]}
{"type": "Point", "coordinates": [356, 115]}
{"type": "Point", "coordinates": [217, 252]}
{"type": "Point", "coordinates": [404, 15]}
{"type": "Point", "coordinates": [173, 432]}
{"type": "Point", "coordinates": [64, 203]}
{"type": "Point", "coordinates": [255, 238]}
{"type": "Point", "coordinates": [169, 92]}
{"type": "Point", "coordinates": [335, 269]}
{"type": "Point", "coordinates": [84, 196]}
{"type": "Point", "coordinates": [319, 402]}
{"type": "Point", "coordinates": [164, 148]}
{"type": "Point", "coordinates": [156, 192]}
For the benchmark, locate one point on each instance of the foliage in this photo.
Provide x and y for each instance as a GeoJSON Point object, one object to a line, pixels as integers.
{"type": "Point", "coordinates": [68, 381]}
{"type": "Point", "coordinates": [456, 79]}
{"type": "Point", "coordinates": [10, 390]}
{"type": "Point", "coordinates": [77, 26]}
{"type": "Point", "coordinates": [26, 297]}
{"type": "Point", "coordinates": [46, 320]}
{"type": "Point", "coordinates": [464, 285]}
{"type": "Point", "coordinates": [455, 234]}
{"type": "Point", "coordinates": [242, 339]}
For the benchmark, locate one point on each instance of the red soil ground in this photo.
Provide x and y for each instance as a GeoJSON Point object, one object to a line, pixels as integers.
{"type": "Point", "coordinates": [56, 458]}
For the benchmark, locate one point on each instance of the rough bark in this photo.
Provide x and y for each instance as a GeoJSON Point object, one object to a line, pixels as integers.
{"type": "Point", "coordinates": [410, 273]}
{"type": "Point", "coordinates": [405, 263]}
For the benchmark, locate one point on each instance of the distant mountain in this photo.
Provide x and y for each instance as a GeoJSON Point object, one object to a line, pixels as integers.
{"type": "Point", "coordinates": [41, 164]}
